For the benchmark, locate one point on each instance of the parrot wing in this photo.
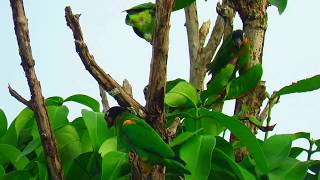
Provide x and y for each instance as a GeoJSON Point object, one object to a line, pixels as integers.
{"type": "Point", "coordinates": [141, 135]}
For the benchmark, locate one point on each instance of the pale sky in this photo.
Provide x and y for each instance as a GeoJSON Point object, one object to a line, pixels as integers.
{"type": "Point", "coordinates": [291, 53]}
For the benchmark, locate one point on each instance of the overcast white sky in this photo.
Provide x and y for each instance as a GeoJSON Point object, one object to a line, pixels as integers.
{"type": "Point", "coordinates": [291, 53]}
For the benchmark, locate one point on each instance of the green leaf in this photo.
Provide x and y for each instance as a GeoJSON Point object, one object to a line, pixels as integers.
{"type": "Point", "coordinates": [32, 146]}
{"type": "Point", "coordinates": [179, 4]}
{"type": "Point", "coordinates": [85, 166]}
{"type": "Point", "coordinates": [181, 94]}
{"type": "Point", "coordinates": [97, 128]}
{"type": "Point", "coordinates": [3, 123]}
{"type": "Point", "coordinates": [289, 168]}
{"type": "Point", "coordinates": [68, 143]}
{"type": "Point", "coordinates": [85, 100]}
{"type": "Point", "coordinates": [317, 143]}
{"type": "Point", "coordinates": [197, 153]}
{"type": "Point", "coordinates": [115, 165]}
{"type": "Point", "coordinates": [42, 171]}
{"type": "Point", "coordinates": [222, 159]}
{"type": "Point", "coordinates": [280, 4]}
{"type": "Point", "coordinates": [295, 152]}
{"type": "Point", "coordinates": [86, 144]}
{"type": "Point", "coordinates": [2, 170]}
{"type": "Point", "coordinates": [304, 85]}
{"type": "Point", "coordinates": [24, 119]}
{"type": "Point", "coordinates": [9, 153]}
{"type": "Point", "coordinates": [17, 175]}
{"type": "Point", "coordinates": [224, 146]}
{"type": "Point", "coordinates": [54, 101]}
{"type": "Point", "coordinates": [183, 137]}
{"type": "Point", "coordinates": [58, 116]}
{"type": "Point", "coordinates": [276, 149]}
{"type": "Point", "coordinates": [108, 145]}
{"type": "Point", "coordinates": [300, 135]}
{"type": "Point", "coordinates": [244, 135]}
{"type": "Point", "coordinates": [245, 82]}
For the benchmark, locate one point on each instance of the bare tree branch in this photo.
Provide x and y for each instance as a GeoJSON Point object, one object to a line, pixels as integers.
{"type": "Point", "coordinates": [127, 87]}
{"type": "Point", "coordinates": [104, 99]}
{"type": "Point", "coordinates": [37, 101]}
{"type": "Point", "coordinates": [105, 80]}
{"type": "Point", "coordinates": [18, 97]}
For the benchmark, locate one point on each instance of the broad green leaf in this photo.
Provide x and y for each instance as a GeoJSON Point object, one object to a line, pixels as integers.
{"type": "Point", "coordinates": [245, 82]}
{"type": "Point", "coordinates": [244, 135]}
{"type": "Point", "coordinates": [183, 137]}
{"type": "Point", "coordinates": [17, 175]}
{"type": "Point", "coordinates": [68, 143]}
{"type": "Point", "coordinates": [295, 152]}
{"type": "Point", "coordinates": [58, 116]}
{"type": "Point", "coordinates": [179, 4]}
{"type": "Point", "coordinates": [276, 149]}
{"type": "Point", "coordinates": [86, 144]}
{"type": "Point", "coordinates": [32, 146]}
{"type": "Point", "coordinates": [97, 128]}
{"type": "Point", "coordinates": [301, 135]}
{"type": "Point", "coordinates": [280, 4]}
{"type": "Point", "coordinates": [115, 165]}
{"type": "Point", "coordinates": [108, 145]}
{"type": "Point", "coordinates": [9, 153]}
{"type": "Point", "coordinates": [85, 100]}
{"type": "Point", "coordinates": [3, 123]}
{"type": "Point", "coordinates": [222, 159]}
{"type": "Point", "coordinates": [304, 85]}
{"type": "Point", "coordinates": [289, 168]}
{"type": "Point", "coordinates": [2, 170]}
{"type": "Point", "coordinates": [181, 94]}
{"type": "Point", "coordinates": [224, 146]}
{"type": "Point", "coordinates": [25, 118]}
{"type": "Point", "coordinates": [54, 101]}
{"type": "Point", "coordinates": [210, 126]}
{"type": "Point", "coordinates": [42, 171]}
{"type": "Point", "coordinates": [197, 153]}
{"type": "Point", "coordinates": [85, 166]}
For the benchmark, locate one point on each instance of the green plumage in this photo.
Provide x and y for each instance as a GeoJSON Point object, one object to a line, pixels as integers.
{"type": "Point", "coordinates": [141, 19]}
{"type": "Point", "coordinates": [228, 51]}
{"type": "Point", "coordinates": [134, 134]}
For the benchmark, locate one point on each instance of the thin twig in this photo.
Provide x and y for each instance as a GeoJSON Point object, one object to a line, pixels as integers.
{"type": "Point", "coordinates": [104, 99]}
{"type": "Point", "coordinates": [38, 104]}
{"type": "Point", "coordinates": [18, 97]}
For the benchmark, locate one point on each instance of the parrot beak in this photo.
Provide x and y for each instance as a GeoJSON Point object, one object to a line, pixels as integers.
{"type": "Point", "coordinates": [238, 42]}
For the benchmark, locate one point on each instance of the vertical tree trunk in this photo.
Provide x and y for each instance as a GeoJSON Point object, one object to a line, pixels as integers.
{"type": "Point", "coordinates": [254, 17]}
{"type": "Point", "coordinates": [157, 86]}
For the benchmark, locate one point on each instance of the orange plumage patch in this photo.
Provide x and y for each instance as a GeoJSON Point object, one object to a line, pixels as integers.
{"type": "Point", "coordinates": [129, 121]}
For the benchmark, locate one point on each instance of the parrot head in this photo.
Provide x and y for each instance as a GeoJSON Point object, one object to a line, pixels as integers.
{"type": "Point", "coordinates": [112, 114]}
{"type": "Point", "coordinates": [238, 37]}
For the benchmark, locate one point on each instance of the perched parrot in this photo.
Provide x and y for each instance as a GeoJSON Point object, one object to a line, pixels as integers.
{"type": "Point", "coordinates": [134, 134]}
{"type": "Point", "coordinates": [235, 47]}
{"type": "Point", "coordinates": [141, 18]}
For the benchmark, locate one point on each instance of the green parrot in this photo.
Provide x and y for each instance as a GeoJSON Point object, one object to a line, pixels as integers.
{"type": "Point", "coordinates": [134, 134]}
{"type": "Point", "coordinates": [141, 18]}
{"type": "Point", "coordinates": [235, 47]}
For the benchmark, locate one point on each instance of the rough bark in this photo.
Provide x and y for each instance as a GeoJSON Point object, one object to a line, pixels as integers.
{"type": "Point", "coordinates": [254, 17]}
{"type": "Point", "coordinates": [37, 101]}
{"type": "Point", "coordinates": [105, 80]}
{"type": "Point", "coordinates": [157, 83]}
